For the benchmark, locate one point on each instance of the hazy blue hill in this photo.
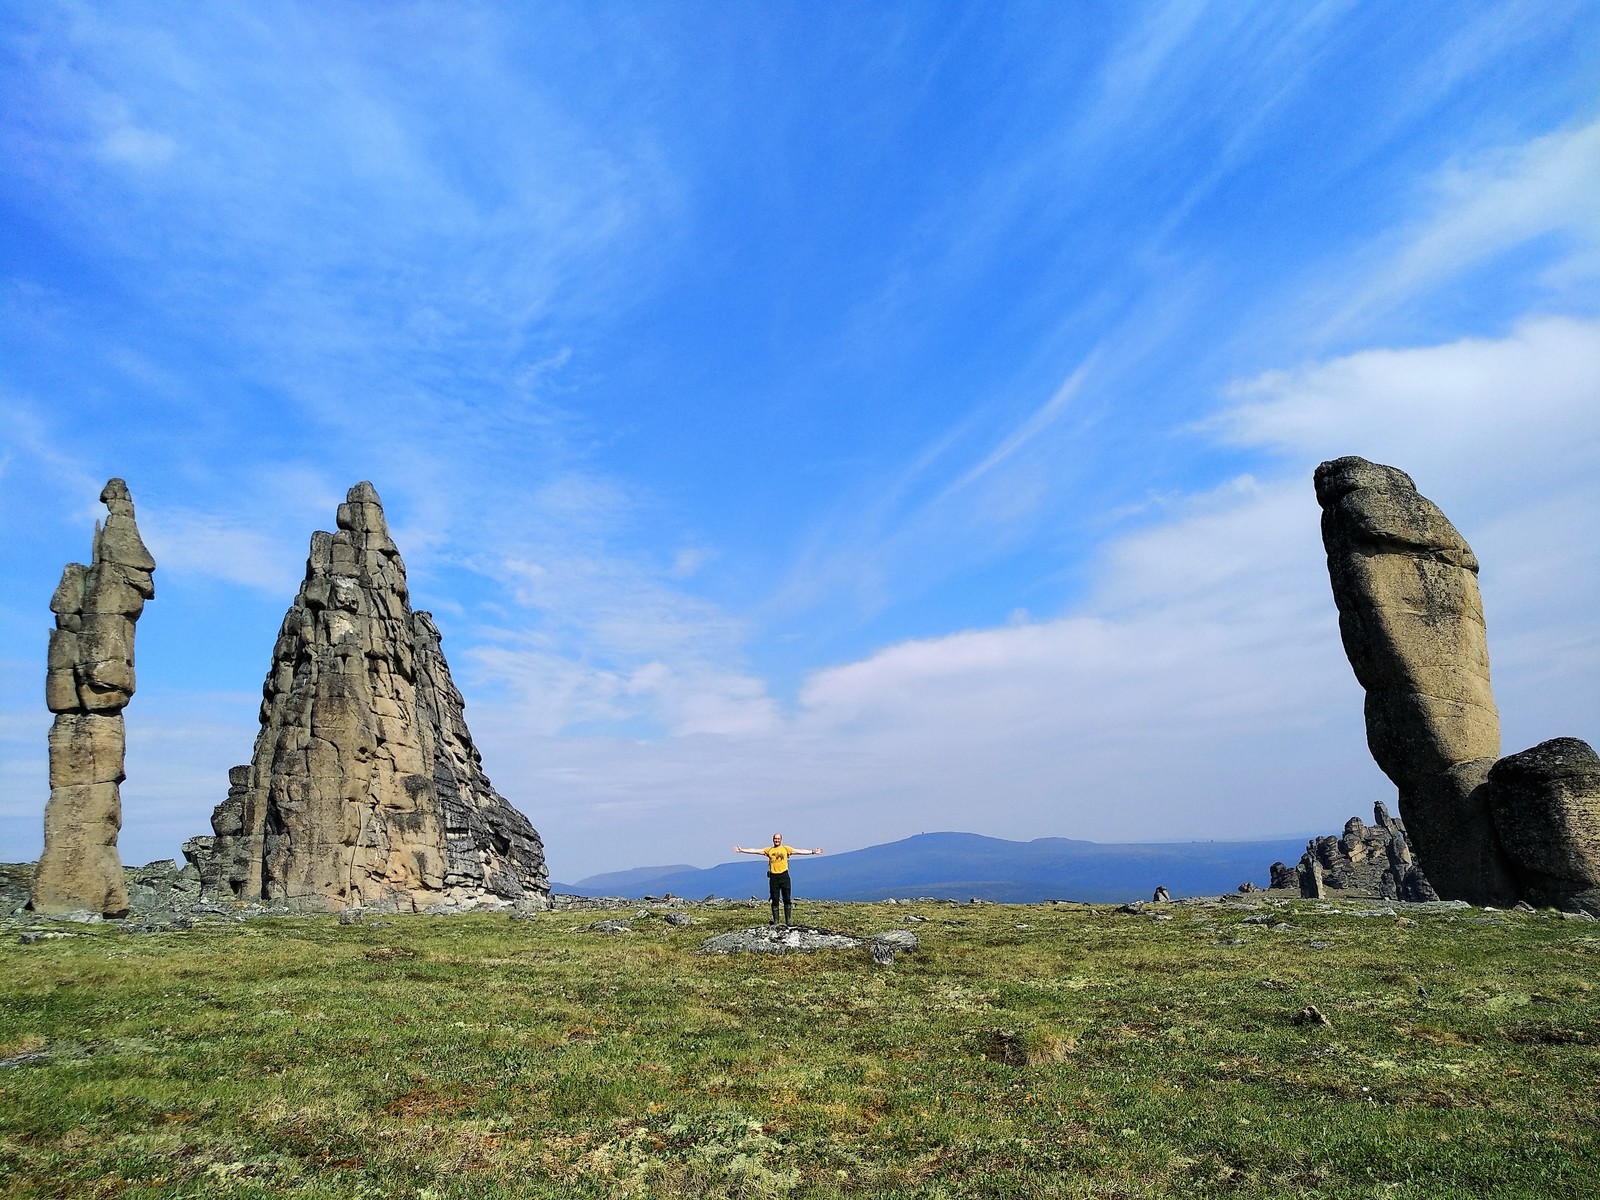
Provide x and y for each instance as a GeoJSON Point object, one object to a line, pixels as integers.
{"type": "Point", "coordinates": [623, 883]}
{"type": "Point", "coordinates": [957, 866]}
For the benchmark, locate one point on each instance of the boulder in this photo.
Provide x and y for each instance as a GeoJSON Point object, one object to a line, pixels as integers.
{"type": "Point", "coordinates": [1546, 805]}
{"type": "Point", "coordinates": [89, 680]}
{"type": "Point", "coordinates": [365, 788]}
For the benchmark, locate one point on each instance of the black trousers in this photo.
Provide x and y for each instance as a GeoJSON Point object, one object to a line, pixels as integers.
{"type": "Point", "coordinates": [778, 885]}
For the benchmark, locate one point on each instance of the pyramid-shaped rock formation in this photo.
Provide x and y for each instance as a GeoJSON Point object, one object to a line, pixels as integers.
{"type": "Point", "coordinates": [88, 682]}
{"type": "Point", "coordinates": [365, 788]}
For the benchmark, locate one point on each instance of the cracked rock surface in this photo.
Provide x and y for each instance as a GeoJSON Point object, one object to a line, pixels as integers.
{"type": "Point", "coordinates": [365, 788]}
{"type": "Point", "coordinates": [88, 682]}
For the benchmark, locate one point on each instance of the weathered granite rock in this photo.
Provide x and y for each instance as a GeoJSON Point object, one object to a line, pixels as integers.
{"type": "Point", "coordinates": [89, 680]}
{"type": "Point", "coordinates": [1411, 618]}
{"type": "Point", "coordinates": [365, 788]}
{"type": "Point", "coordinates": [1546, 805]}
{"type": "Point", "coordinates": [1284, 876]}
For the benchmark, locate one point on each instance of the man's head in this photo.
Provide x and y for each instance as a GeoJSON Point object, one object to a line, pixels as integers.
{"type": "Point", "coordinates": [777, 839]}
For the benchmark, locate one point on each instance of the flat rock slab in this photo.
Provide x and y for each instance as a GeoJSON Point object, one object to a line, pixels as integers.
{"type": "Point", "coordinates": [801, 939]}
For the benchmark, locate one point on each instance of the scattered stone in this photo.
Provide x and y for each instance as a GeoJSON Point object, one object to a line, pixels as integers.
{"type": "Point", "coordinates": [912, 917]}
{"type": "Point", "coordinates": [882, 955]}
{"type": "Point", "coordinates": [1162, 896]}
{"type": "Point", "coordinates": [350, 916]}
{"type": "Point", "coordinates": [78, 916]}
{"type": "Point", "coordinates": [902, 941]}
{"type": "Point", "coordinates": [1135, 908]}
{"type": "Point", "coordinates": [1247, 887]}
{"type": "Point", "coordinates": [1522, 906]}
{"type": "Point", "coordinates": [1576, 915]}
{"type": "Point", "coordinates": [32, 1058]}
{"type": "Point", "coordinates": [1265, 919]}
{"type": "Point", "coordinates": [88, 682]}
{"type": "Point", "coordinates": [678, 919]}
{"type": "Point", "coordinates": [523, 914]}
{"type": "Point", "coordinates": [1311, 1015]}
{"type": "Point", "coordinates": [365, 786]}
{"type": "Point", "coordinates": [34, 936]}
{"type": "Point", "coordinates": [610, 927]}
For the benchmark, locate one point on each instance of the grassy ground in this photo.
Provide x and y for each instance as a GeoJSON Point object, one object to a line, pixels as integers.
{"type": "Point", "coordinates": [479, 1057]}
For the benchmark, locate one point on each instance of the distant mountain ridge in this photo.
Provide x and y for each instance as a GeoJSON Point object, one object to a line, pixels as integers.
{"type": "Point", "coordinates": [959, 866]}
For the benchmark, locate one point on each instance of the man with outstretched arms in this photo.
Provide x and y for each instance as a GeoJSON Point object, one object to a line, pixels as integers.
{"type": "Point", "coordinates": [778, 873]}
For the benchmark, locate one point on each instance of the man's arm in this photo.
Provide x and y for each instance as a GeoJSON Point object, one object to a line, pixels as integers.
{"type": "Point", "coordinates": [818, 850]}
{"type": "Point", "coordinates": [742, 850]}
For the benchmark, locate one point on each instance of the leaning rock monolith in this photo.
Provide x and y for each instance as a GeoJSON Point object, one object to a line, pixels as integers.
{"type": "Point", "coordinates": [88, 682]}
{"type": "Point", "coordinates": [1546, 805]}
{"type": "Point", "coordinates": [365, 788]}
{"type": "Point", "coordinates": [1411, 617]}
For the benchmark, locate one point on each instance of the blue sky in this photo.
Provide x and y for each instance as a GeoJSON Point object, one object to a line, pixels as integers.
{"type": "Point", "coordinates": [848, 419]}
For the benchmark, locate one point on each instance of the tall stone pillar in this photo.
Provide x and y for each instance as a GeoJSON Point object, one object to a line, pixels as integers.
{"type": "Point", "coordinates": [1406, 585]}
{"type": "Point", "coordinates": [88, 682]}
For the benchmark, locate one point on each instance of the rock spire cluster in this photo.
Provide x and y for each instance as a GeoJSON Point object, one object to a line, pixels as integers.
{"type": "Point", "coordinates": [1487, 829]}
{"type": "Point", "coordinates": [88, 682]}
{"type": "Point", "coordinates": [1371, 859]}
{"type": "Point", "coordinates": [365, 788]}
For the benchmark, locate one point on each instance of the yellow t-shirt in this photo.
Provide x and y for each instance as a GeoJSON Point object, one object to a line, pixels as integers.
{"type": "Point", "coordinates": [777, 858]}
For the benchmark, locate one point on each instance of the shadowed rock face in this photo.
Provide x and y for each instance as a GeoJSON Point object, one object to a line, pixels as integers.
{"type": "Point", "coordinates": [365, 787]}
{"type": "Point", "coordinates": [88, 682]}
{"type": "Point", "coordinates": [1411, 619]}
{"type": "Point", "coordinates": [1546, 804]}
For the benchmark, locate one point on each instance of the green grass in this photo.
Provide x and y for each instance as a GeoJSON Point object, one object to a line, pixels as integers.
{"type": "Point", "coordinates": [459, 1057]}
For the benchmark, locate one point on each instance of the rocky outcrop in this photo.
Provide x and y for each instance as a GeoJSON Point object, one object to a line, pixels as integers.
{"type": "Point", "coordinates": [365, 787]}
{"type": "Point", "coordinates": [1546, 804]}
{"type": "Point", "coordinates": [88, 682]}
{"type": "Point", "coordinates": [1411, 618]}
{"type": "Point", "coordinates": [1489, 830]}
{"type": "Point", "coordinates": [1365, 860]}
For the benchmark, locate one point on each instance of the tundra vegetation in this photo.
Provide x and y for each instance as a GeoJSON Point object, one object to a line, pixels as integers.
{"type": "Point", "coordinates": [1042, 1050]}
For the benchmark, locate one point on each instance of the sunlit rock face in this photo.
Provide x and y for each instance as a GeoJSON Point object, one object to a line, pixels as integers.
{"type": "Point", "coordinates": [1411, 617]}
{"type": "Point", "coordinates": [365, 788]}
{"type": "Point", "coordinates": [88, 682]}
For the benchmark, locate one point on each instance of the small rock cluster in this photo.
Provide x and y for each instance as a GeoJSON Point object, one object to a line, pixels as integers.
{"type": "Point", "coordinates": [1373, 860]}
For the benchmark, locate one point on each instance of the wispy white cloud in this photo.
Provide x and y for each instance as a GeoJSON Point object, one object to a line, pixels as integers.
{"type": "Point", "coordinates": [1200, 689]}
{"type": "Point", "coordinates": [1038, 421]}
{"type": "Point", "coordinates": [1484, 206]}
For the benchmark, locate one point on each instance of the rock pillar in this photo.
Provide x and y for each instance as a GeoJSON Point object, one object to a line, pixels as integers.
{"type": "Point", "coordinates": [88, 682]}
{"type": "Point", "coordinates": [365, 788]}
{"type": "Point", "coordinates": [1411, 617]}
